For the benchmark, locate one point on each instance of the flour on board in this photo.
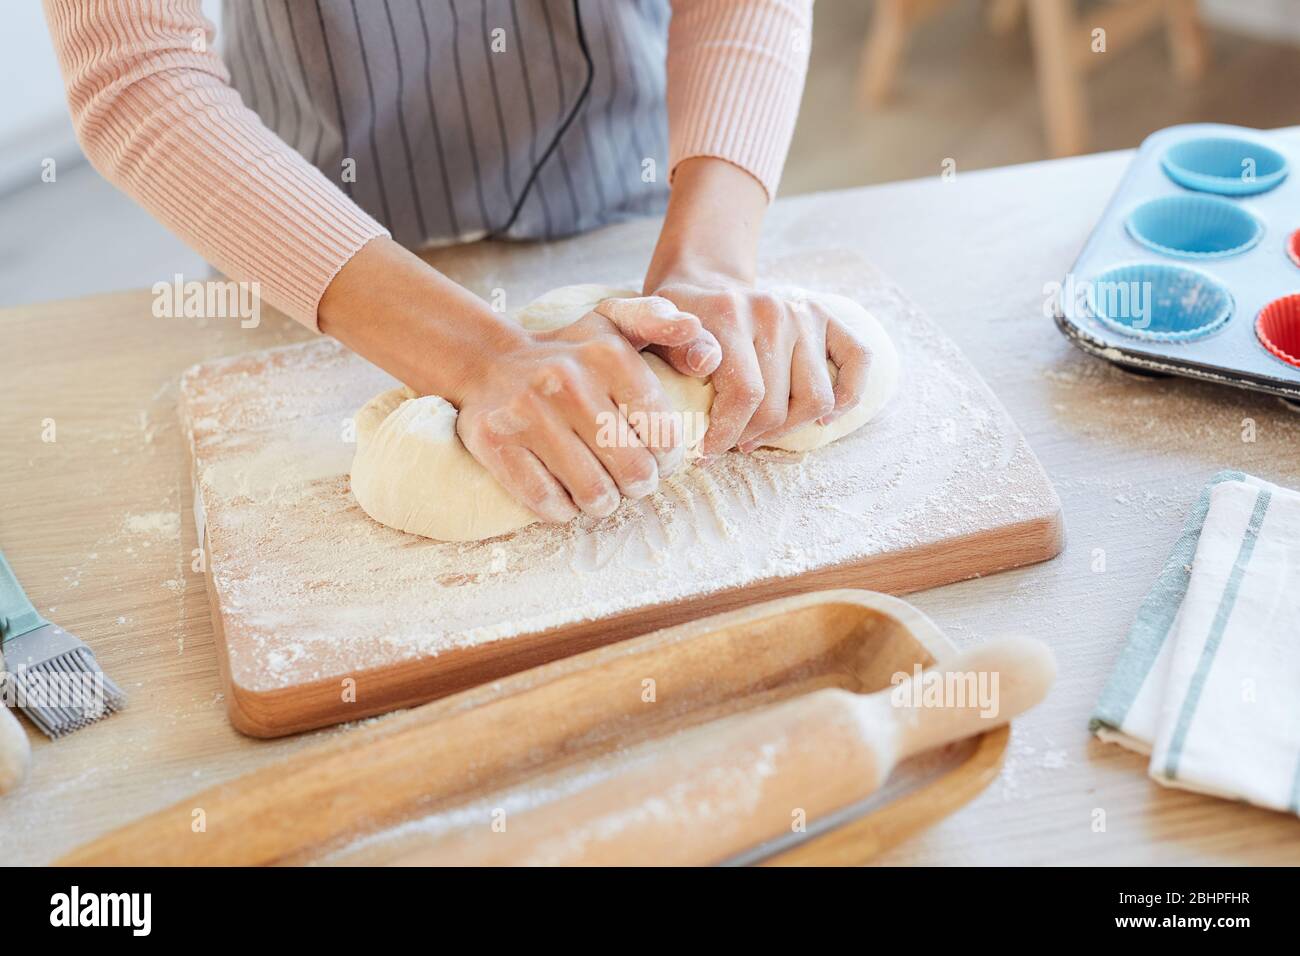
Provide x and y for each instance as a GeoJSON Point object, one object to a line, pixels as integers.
{"type": "Point", "coordinates": [313, 589]}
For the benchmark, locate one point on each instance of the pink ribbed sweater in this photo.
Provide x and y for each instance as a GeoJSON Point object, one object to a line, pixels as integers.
{"type": "Point", "coordinates": [156, 115]}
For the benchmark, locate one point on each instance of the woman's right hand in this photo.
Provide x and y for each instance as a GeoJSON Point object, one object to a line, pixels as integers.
{"type": "Point", "coordinates": [568, 420]}
{"type": "Point", "coordinates": [573, 420]}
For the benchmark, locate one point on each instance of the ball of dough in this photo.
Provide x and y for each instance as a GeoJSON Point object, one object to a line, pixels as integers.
{"type": "Point", "coordinates": [411, 471]}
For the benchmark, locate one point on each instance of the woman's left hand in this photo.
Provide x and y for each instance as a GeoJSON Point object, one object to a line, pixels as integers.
{"type": "Point", "coordinates": [773, 377]}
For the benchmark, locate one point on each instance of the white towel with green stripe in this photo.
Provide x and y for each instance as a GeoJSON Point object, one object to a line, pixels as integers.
{"type": "Point", "coordinates": [1209, 681]}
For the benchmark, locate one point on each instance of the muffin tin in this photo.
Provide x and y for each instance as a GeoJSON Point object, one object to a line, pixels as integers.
{"type": "Point", "coordinates": [1194, 268]}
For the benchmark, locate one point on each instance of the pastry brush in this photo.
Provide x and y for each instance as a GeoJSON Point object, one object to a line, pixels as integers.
{"type": "Point", "coordinates": [52, 676]}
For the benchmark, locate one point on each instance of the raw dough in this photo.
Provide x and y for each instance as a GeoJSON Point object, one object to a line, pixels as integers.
{"type": "Point", "coordinates": [15, 751]}
{"type": "Point", "coordinates": [411, 471]}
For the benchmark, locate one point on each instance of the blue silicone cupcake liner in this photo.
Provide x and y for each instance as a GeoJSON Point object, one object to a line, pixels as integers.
{"type": "Point", "coordinates": [1159, 303]}
{"type": "Point", "coordinates": [1194, 227]}
{"type": "Point", "coordinates": [1224, 165]}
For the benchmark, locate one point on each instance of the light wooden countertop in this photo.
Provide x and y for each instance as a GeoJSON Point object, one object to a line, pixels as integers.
{"type": "Point", "coordinates": [97, 524]}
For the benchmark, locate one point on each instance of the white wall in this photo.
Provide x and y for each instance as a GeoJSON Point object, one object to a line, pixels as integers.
{"type": "Point", "coordinates": [33, 114]}
{"type": "Point", "coordinates": [1277, 20]}
{"type": "Point", "coordinates": [34, 121]}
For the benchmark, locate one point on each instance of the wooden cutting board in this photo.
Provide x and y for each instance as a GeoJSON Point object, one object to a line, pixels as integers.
{"type": "Point", "coordinates": [324, 616]}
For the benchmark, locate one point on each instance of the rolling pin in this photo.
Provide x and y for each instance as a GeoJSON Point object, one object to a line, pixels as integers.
{"type": "Point", "coordinates": [716, 790]}
{"type": "Point", "coordinates": [15, 751]}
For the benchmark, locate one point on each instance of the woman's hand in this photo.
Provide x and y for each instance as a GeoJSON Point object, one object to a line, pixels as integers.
{"type": "Point", "coordinates": [567, 420]}
{"type": "Point", "coordinates": [573, 419]}
{"type": "Point", "coordinates": [773, 376]}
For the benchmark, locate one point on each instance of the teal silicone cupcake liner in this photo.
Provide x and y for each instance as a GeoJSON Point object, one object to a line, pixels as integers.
{"type": "Point", "coordinates": [1193, 267]}
{"type": "Point", "coordinates": [1194, 227]}
{"type": "Point", "coordinates": [1224, 165]}
{"type": "Point", "coordinates": [1159, 303]}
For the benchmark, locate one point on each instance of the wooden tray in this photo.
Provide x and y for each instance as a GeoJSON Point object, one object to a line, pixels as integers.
{"type": "Point", "coordinates": [381, 793]}
{"type": "Point", "coordinates": [324, 616]}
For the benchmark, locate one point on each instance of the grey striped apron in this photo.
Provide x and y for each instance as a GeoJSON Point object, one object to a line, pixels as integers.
{"type": "Point", "coordinates": [451, 120]}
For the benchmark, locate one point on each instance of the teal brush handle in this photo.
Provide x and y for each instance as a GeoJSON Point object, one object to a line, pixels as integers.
{"type": "Point", "coordinates": [17, 615]}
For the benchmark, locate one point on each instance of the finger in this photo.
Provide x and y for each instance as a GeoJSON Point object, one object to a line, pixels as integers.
{"type": "Point", "coordinates": [697, 360]}
{"type": "Point", "coordinates": [652, 419]}
{"type": "Point", "coordinates": [529, 482]}
{"type": "Point", "coordinates": [774, 358]}
{"type": "Point", "coordinates": [738, 391]}
{"type": "Point", "coordinates": [608, 424]}
{"type": "Point", "coordinates": [653, 320]}
{"type": "Point", "coordinates": [618, 447]}
{"type": "Point", "coordinates": [638, 397]}
{"type": "Point", "coordinates": [812, 393]}
{"type": "Point", "coordinates": [567, 457]}
{"type": "Point", "coordinates": [494, 440]}
{"type": "Point", "coordinates": [853, 360]}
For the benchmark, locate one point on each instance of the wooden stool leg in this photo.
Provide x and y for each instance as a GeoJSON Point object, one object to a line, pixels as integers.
{"type": "Point", "coordinates": [1003, 16]}
{"type": "Point", "coordinates": [1060, 79]}
{"type": "Point", "coordinates": [1186, 39]}
{"type": "Point", "coordinates": [883, 51]}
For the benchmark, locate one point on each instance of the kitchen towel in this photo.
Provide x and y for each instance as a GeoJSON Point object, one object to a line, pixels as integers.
{"type": "Point", "coordinates": [1208, 683]}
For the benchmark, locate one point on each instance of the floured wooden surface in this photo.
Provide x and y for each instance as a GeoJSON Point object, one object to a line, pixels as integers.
{"type": "Point", "coordinates": [309, 588]}
{"type": "Point", "coordinates": [422, 833]}
{"type": "Point", "coordinates": [1128, 456]}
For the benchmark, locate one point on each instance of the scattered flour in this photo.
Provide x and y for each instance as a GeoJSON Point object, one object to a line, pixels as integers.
{"type": "Point", "coordinates": [310, 588]}
{"type": "Point", "coordinates": [163, 524]}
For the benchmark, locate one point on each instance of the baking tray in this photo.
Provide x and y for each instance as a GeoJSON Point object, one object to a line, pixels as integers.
{"type": "Point", "coordinates": [1155, 224]}
{"type": "Point", "coordinates": [382, 793]}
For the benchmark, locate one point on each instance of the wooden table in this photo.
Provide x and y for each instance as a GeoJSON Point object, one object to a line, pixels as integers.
{"type": "Point", "coordinates": [97, 523]}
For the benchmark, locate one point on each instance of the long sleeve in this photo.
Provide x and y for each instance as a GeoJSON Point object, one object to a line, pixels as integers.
{"type": "Point", "coordinates": [735, 77]}
{"type": "Point", "coordinates": [155, 114]}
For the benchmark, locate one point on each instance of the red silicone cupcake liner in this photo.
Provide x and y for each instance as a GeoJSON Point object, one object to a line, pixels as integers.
{"type": "Point", "coordinates": [1278, 328]}
{"type": "Point", "coordinates": [1293, 247]}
